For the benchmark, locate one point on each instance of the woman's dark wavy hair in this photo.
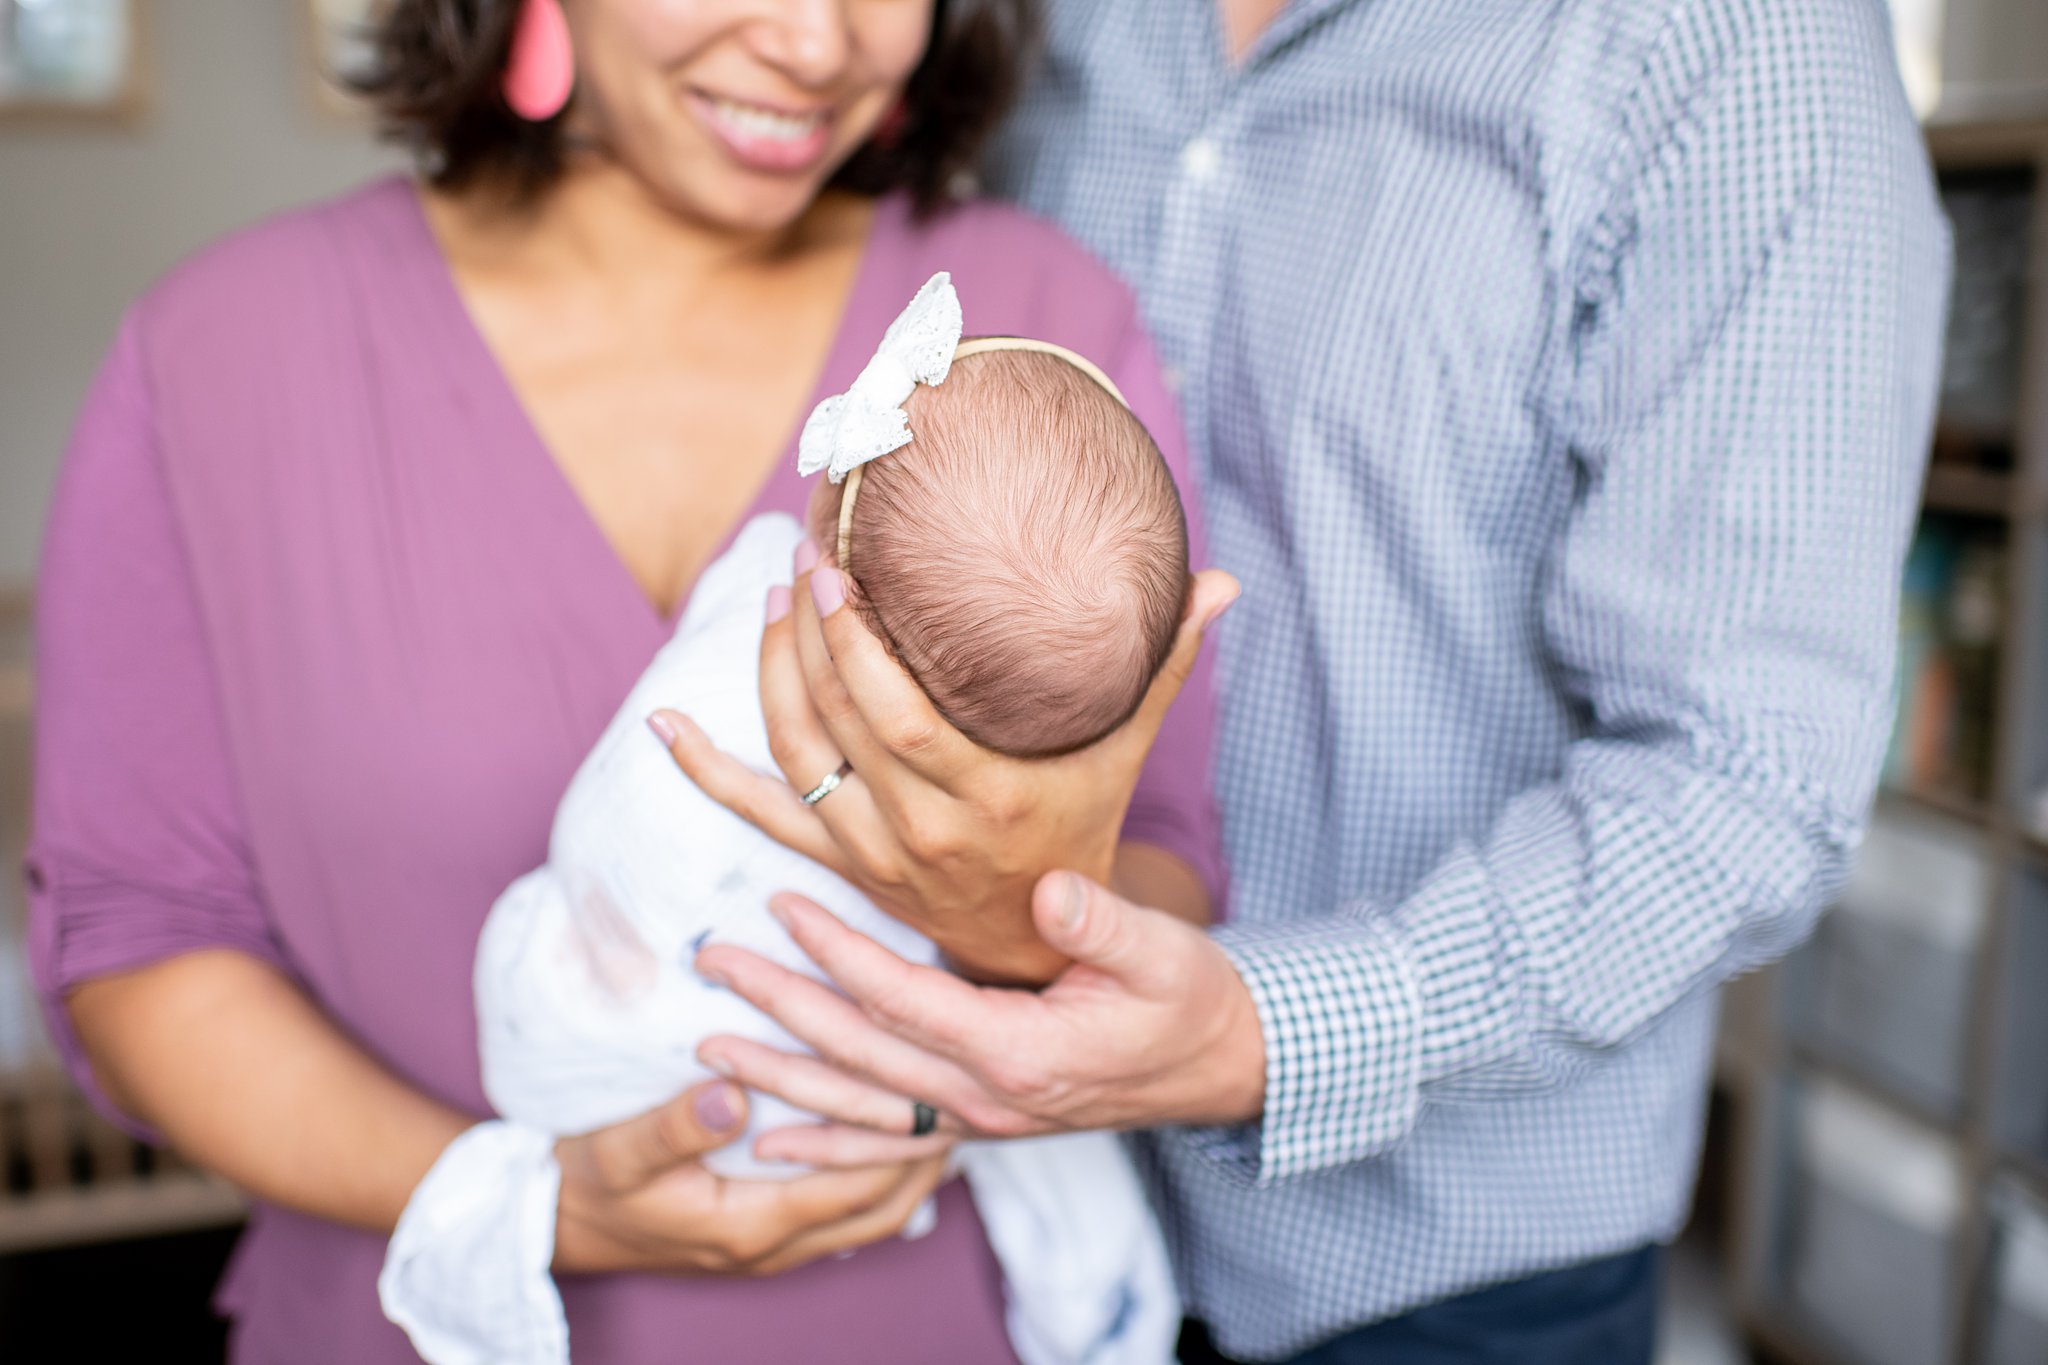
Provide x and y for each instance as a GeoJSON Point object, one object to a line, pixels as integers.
{"type": "Point", "coordinates": [434, 75]}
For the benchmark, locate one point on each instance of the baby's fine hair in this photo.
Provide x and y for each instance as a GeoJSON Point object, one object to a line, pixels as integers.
{"type": "Point", "coordinates": [1025, 556]}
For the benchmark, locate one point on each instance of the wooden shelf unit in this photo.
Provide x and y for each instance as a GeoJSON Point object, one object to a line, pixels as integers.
{"type": "Point", "coordinates": [71, 1177]}
{"type": "Point", "coordinates": [1761, 1062]}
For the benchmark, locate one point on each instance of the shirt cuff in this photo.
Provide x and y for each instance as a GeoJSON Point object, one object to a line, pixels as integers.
{"type": "Point", "coordinates": [1340, 1008]}
{"type": "Point", "coordinates": [81, 928]}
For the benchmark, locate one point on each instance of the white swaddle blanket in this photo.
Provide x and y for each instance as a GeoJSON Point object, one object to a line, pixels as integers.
{"type": "Point", "coordinates": [590, 1012]}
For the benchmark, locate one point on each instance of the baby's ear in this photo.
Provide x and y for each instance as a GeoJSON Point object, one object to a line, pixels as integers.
{"type": "Point", "coordinates": [857, 598]}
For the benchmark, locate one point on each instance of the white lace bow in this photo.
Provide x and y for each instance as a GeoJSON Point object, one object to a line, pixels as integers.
{"type": "Point", "coordinates": [849, 429]}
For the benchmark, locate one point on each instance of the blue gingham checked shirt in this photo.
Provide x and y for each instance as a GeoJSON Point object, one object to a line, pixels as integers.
{"type": "Point", "coordinates": [1559, 376]}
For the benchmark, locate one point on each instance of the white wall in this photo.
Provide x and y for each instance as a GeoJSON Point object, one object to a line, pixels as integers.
{"type": "Point", "coordinates": [1995, 59]}
{"type": "Point", "coordinates": [90, 215]}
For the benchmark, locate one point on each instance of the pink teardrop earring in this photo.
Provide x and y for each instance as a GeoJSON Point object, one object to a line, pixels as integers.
{"type": "Point", "coordinates": [540, 70]}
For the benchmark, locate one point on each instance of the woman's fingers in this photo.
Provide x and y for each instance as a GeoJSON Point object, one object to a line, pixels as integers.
{"type": "Point", "coordinates": [765, 802]}
{"type": "Point", "coordinates": [1210, 596]}
{"type": "Point", "coordinates": [629, 1154]}
{"type": "Point", "coordinates": [794, 1207]}
{"type": "Point", "coordinates": [804, 745]}
{"type": "Point", "coordinates": [810, 1084]}
{"type": "Point", "coordinates": [838, 1146]}
{"type": "Point", "coordinates": [797, 678]}
{"type": "Point", "coordinates": [885, 1219]}
{"type": "Point", "coordinates": [755, 1221]}
{"type": "Point", "coordinates": [888, 703]}
{"type": "Point", "coordinates": [806, 750]}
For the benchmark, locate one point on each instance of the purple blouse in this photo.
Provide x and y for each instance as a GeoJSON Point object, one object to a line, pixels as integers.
{"type": "Point", "coordinates": [323, 634]}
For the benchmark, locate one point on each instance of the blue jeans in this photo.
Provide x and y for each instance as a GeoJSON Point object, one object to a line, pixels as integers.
{"type": "Point", "coordinates": [1600, 1313]}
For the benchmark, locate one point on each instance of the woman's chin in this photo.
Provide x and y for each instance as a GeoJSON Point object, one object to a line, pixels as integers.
{"type": "Point", "coordinates": [741, 203]}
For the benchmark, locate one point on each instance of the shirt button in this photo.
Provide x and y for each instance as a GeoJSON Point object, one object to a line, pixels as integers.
{"type": "Point", "coordinates": [1175, 378]}
{"type": "Point", "coordinates": [1200, 159]}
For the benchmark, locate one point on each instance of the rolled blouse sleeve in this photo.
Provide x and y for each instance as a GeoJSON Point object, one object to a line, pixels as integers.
{"type": "Point", "coordinates": [138, 851]}
{"type": "Point", "coordinates": [1173, 808]}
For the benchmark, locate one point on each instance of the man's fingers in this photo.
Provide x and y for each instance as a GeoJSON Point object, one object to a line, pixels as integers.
{"type": "Point", "coordinates": [1098, 928]}
{"type": "Point", "coordinates": [812, 1085]}
{"type": "Point", "coordinates": [764, 802]}
{"type": "Point", "coordinates": [1210, 596]}
{"type": "Point", "coordinates": [931, 1008]}
{"type": "Point", "coordinates": [834, 1027]}
{"type": "Point", "coordinates": [838, 1146]}
{"type": "Point", "coordinates": [631, 1153]}
{"type": "Point", "coordinates": [891, 706]}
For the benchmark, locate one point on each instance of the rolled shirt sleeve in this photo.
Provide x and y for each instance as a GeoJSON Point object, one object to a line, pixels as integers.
{"type": "Point", "coordinates": [1746, 402]}
{"type": "Point", "coordinates": [138, 851]}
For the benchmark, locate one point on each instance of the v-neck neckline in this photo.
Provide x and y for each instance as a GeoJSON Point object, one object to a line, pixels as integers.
{"type": "Point", "coordinates": [473, 356]}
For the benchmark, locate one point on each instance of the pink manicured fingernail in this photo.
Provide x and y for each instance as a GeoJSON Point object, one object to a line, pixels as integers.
{"type": "Point", "coordinates": [717, 1062]}
{"type": "Point", "coordinates": [716, 1109]}
{"type": "Point", "coordinates": [663, 727]}
{"type": "Point", "coordinates": [827, 591]}
{"type": "Point", "coordinates": [779, 912]}
{"type": "Point", "coordinates": [778, 604]}
{"type": "Point", "coordinates": [806, 556]}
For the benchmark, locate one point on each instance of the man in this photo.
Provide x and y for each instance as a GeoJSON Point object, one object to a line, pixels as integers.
{"type": "Point", "coordinates": [1558, 377]}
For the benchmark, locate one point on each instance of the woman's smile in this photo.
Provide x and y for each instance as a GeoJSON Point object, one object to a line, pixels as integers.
{"type": "Point", "coordinates": [763, 137]}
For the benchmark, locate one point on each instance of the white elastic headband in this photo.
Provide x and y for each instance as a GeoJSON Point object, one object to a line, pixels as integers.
{"type": "Point", "coordinates": [849, 429]}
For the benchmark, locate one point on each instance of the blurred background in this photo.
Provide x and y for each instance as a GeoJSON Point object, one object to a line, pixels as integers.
{"type": "Point", "coordinates": [1876, 1184]}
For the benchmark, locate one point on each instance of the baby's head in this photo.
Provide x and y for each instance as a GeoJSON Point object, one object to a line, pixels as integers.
{"type": "Point", "coordinates": [1024, 557]}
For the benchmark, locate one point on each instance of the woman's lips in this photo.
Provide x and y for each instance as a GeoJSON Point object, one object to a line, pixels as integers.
{"type": "Point", "coordinates": [765, 139]}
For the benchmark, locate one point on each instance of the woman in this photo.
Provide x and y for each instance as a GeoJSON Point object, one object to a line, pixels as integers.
{"type": "Point", "coordinates": [374, 514]}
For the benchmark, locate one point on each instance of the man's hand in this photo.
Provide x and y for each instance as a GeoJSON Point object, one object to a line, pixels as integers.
{"type": "Point", "coordinates": [1149, 1025]}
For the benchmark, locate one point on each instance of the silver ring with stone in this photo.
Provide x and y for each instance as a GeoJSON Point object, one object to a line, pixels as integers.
{"type": "Point", "coordinates": [828, 786]}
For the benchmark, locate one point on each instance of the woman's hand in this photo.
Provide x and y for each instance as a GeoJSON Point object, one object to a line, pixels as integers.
{"type": "Point", "coordinates": [1150, 1025]}
{"type": "Point", "coordinates": [947, 836]}
{"type": "Point", "coordinates": [636, 1197]}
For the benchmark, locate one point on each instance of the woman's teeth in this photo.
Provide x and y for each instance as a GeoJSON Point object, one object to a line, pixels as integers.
{"type": "Point", "coordinates": [750, 120]}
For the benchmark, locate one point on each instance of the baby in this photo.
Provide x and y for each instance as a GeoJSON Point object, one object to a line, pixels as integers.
{"type": "Point", "coordinates": [1025, 559]}
{"type": "Point", "coordinates": [1028, 565]}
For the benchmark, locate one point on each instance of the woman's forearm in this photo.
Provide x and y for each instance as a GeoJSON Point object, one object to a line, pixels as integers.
{"type": "Point", "coordinates": [1012, 953]}
{"type": "Point", "coordinates": [244, 1075]}
{"type": "Point", "coordinates": [1146, 874]}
